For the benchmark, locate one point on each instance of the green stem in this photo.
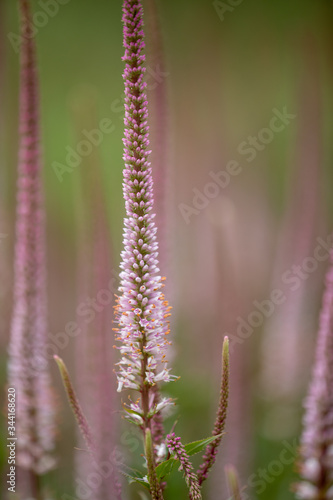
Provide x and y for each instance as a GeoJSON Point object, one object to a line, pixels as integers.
{"type": "Point", "coordinates": [155, 488]}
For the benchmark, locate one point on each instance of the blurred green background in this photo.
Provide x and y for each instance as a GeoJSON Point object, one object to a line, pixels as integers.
{"type": "Point", "coordinates": [225, 76]}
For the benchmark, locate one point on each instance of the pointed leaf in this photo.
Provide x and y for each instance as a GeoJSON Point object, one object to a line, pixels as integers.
{"type": "Point", "coordinates": [133, 479]}
{"type": "Point", "coordinates": [165, 468]}
{"type": "Point", "coordinates": [133, 475]}
{"type": "Point", "coordinates": [199, 446]}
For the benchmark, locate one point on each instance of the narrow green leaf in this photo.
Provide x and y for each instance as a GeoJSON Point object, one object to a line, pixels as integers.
{"type": "Point", "coordinates": [165, 468]}
{"type": "Point", "coordinates": [132, 412]}
{"type": "Point", "coordinates": [133, 479]}
{"type": "Point", "coordinates": [125, 469]}
{"type": "Point", "coordinates": [133, 475]}
{"type": "Point", "coordinates": [199, 446]}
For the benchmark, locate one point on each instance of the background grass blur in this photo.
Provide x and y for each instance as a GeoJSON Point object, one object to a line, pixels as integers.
{"type": "Point", "coordinates": [225, 77]}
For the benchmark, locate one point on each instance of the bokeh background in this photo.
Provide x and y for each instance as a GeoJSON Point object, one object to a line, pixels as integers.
{"type": "Point", "coordinates": [223, 75]}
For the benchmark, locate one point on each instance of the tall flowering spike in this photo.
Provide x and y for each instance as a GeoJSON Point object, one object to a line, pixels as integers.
{"type": "Point", "coordinates": [221, 416]}
{"type": "Point", "coordinates": [177, 449]}
{"type": "Point", "coordinates": [142, 311]}
{"type": "Point", "coordinates": [28, 369]}
{"type": "Point", "coordinates": [316, 452]}
{"type": "Point", "coordinates": [233, 482]}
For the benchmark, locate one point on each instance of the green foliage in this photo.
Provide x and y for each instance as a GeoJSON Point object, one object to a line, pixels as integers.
{"type": "Point", "coordinates": [166, 467]}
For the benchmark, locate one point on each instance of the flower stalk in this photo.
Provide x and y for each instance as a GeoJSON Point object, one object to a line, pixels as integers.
{"type": "Point", "coordinates": [75, 405]}
{"type": "Point", "coordinates": [155, 488]}
{"type": "Point", "coordinates": [177, 449]}
{"type": "Point", "coordinates": [142, 311]}
{"type": "Point", "coordinates": [221, 416]}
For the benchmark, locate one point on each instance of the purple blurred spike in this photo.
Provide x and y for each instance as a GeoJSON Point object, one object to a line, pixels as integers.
{"type": "Point", "coordinates": [316, 452]}
{"type": "Point", "coordinates": [28, 370]}
{"type": "Point", "coordinates": [285, 362]}
{"type": "Point", "coordinates": [94, 352]}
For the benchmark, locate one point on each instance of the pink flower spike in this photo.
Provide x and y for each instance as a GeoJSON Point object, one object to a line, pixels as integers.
{"type": "Point", "coordinates": [142, 312]}
{"type": "Point", "coordinates": [28, 370]}
{"type": "Point", "coordinates": [316, 466]}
